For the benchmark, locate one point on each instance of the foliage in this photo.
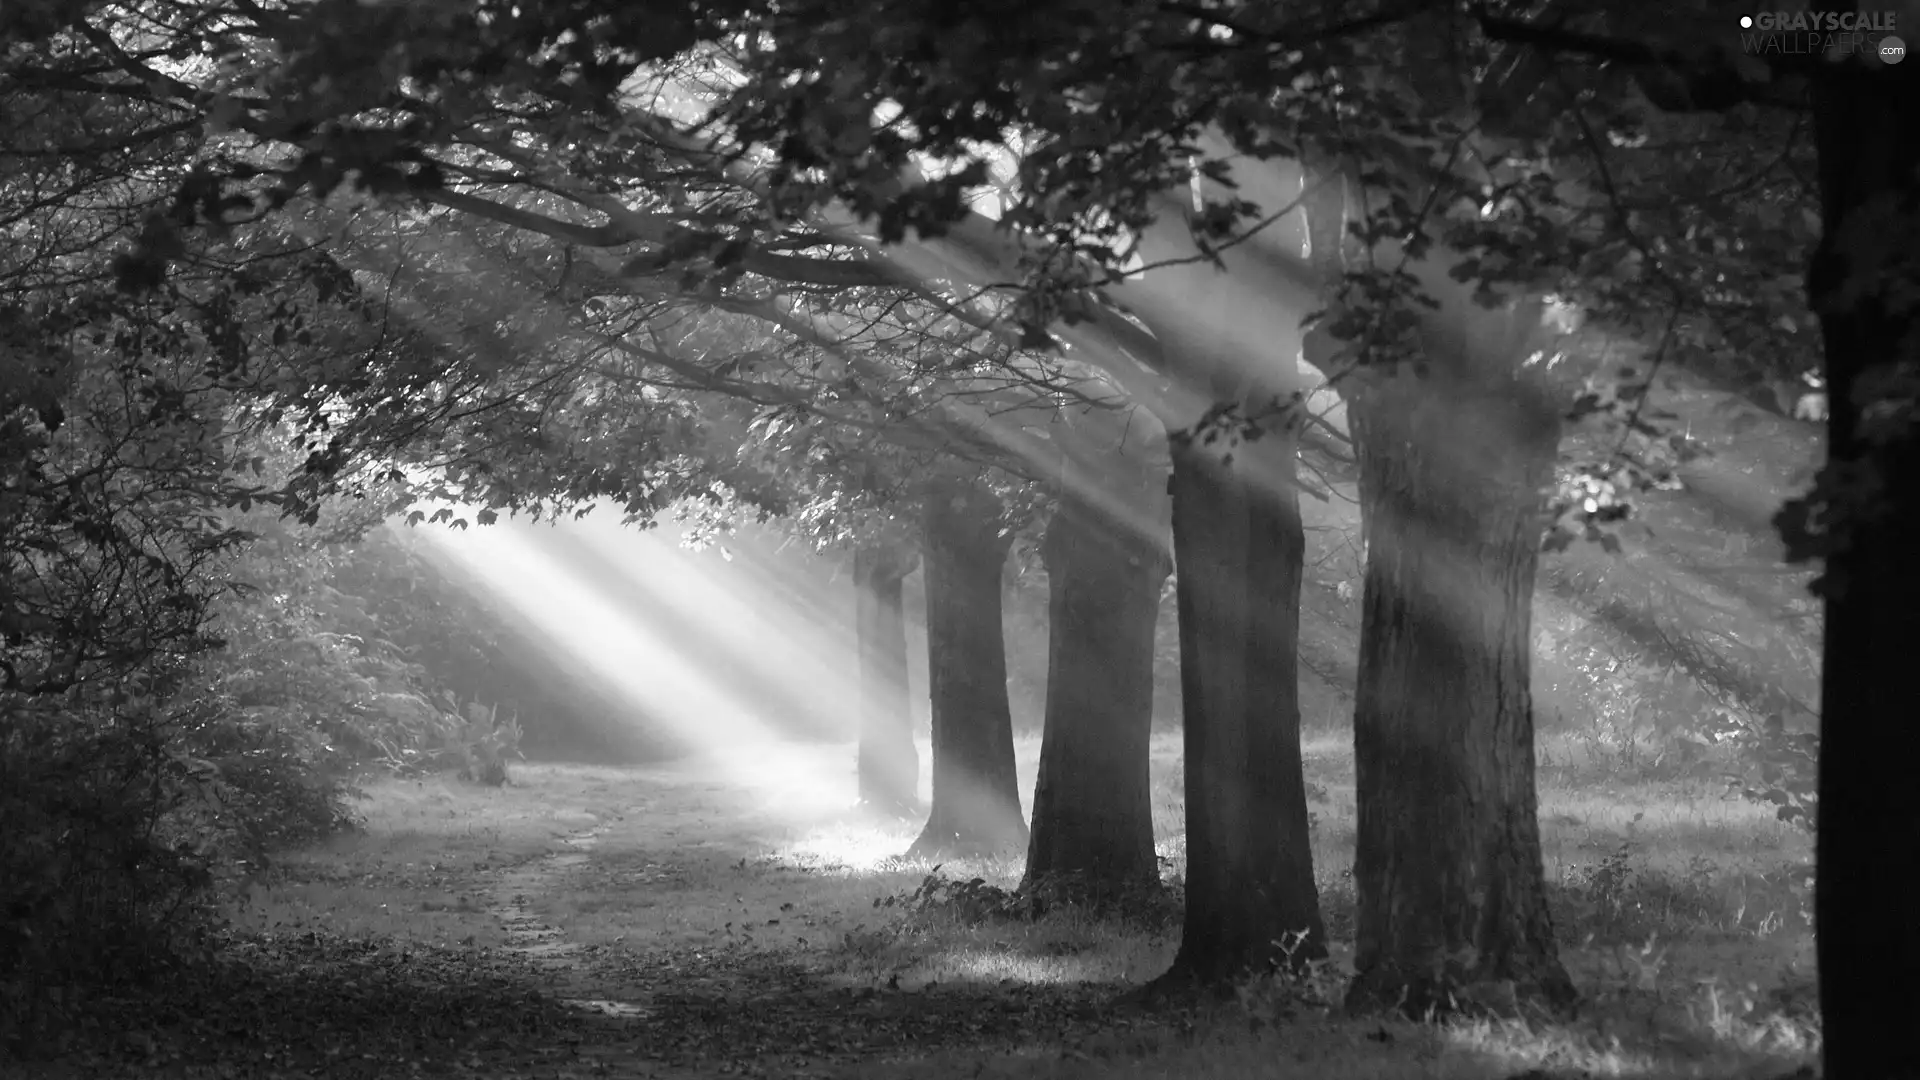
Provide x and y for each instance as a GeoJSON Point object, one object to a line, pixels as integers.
{"type": "Point", "coordinates": [489, 740]}
{"type": "Point", "coordinates": [113, 466]}
{"type": "Point", "coordinates": [125, 809]}
{"type": "Point", "coordinates": [303, 656]}
{"type": "Point", "coordinates": [140, 759]}
{"type": "Point", "coordinates": [103, 876]}
{"type": "Point", "coordinates": [1683, 676]}
{"type": "Point", "coordinates": [1661, 217]}
{"type": "Point", "coordinates": [1672, 223]}
{"type": "Point", "coordinates": [1784, 765]}
{"type": "Point", "coordinates": [970, 900]}
{"type": "Point", "coordinates": [339, 634]}
{"type": "Point", "coordinates": [265, 785]}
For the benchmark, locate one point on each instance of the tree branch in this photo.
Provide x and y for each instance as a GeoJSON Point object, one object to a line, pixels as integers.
{"type": "Point", "coordinates": [1700, 79]}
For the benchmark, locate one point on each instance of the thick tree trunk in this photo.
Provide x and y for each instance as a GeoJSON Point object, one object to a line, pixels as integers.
{"type": "Point", "coordinates": [889, 766]}
{"type": "Point", "coordinates": [1093, 803]}
{"type": "Point", "coordinates": [1251, 901]}
{"type": "Point", "coordinates": [1867, 124]}
{"type": "Point", "coordinates": [976, 795]}
{"type": "Point", "coordinates": [1447, 864]}
{"type": "Point", "coordinates": [1454, 462]}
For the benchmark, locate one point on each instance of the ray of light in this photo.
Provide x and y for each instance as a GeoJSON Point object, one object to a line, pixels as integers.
{"type": "Point", "coordinates": [777, 655]}
{"type": "Point", "coordinates": [1243, 318]}
{"type": "Point", "coordinates": [686, 655]}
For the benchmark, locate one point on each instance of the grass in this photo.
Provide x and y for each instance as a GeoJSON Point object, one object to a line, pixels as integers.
{"type": "Point", "coordinates": [1678, 909]}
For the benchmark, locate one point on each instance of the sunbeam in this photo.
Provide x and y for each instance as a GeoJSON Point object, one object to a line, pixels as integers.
{"type": "Point", "coordinates": [749, 680]}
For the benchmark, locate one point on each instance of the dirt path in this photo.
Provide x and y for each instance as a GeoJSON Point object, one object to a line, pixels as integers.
{"type": "Point", "coordinates": [511, 900]}
{"type": "Point", "coordinates": [689, 933]}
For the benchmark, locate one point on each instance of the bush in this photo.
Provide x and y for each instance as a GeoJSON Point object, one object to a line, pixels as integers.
{"type": "Point", "coordinates": [263, 786]}
{"type": "Point", "coordinates": [332, 632]}
{"type": "Point", "coordinates": [102, 877]}
{"type": "Point", "coordinates": [106, 572]}
{"type": "Point", "coordinates": [140, 759]}
{"type": "Point", "coordinates": [487, 741]}
{"type": "Point", "coordinates": [122, 819]}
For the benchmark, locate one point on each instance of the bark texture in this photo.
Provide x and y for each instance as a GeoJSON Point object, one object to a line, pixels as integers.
{"type": "Point", "coordinates": [1093, 802]}
{"type": "Point", "coordinates": [1251, 902]}
{"type": "Point", "coordinates": [1456, 445]}
{"type": "Point", "coordinates": [976, 796]}
{"type": "Point", "coordinates": [889, 765]}
{"type": "Point", "coordinates": [1867, 124]}
{"type": "Point", "coordinates": [1447, 863]}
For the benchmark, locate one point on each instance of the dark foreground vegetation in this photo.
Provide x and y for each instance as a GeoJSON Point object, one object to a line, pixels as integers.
{"type": "Point", "coordinates": [1400, 518]}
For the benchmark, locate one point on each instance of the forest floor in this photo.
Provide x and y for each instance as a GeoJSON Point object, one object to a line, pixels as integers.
{"type": "Point", "coordinates": [712, 918]}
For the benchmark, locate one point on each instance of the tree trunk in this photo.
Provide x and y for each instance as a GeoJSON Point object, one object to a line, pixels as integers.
{"type": "Point", "coordinates": [976, 792]}
{"type": "Point", "coordinates": [1868, 133]}
{"type": "Point", "coordinates": [1447, 863]}
{"type": "Point", "coordinates": [1093, 803]}
{"type": "Point", "coordinates": [1454, 462]}
{"type": "Point", "coordinates": [889, 766]}
{"type": "Point", "coordinates": [1251, 901]}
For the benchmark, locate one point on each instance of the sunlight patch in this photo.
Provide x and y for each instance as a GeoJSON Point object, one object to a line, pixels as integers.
{"type": "Point", "coordinates": [1521, 1045]}
{"type": "Point", "coordinates": [998, 967]}
{"type": "Point", "coordinates": [848, 848]}
{"type": "Point", "coordinates": [618, 1010]}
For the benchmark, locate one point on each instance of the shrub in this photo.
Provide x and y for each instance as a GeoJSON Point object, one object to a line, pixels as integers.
{"type": "Point", "coordinates": [109, 556]}
{"type": "Point", "coordinates": [262, 785]}
{"type": "Point", "coordinates": [102, 876]}
{"type": "Point", "coordinates": [487, 741]}
{"type": "Point", "coordinates": [333, 633]}
{"type": "Point", "coordinates": [138, 760]}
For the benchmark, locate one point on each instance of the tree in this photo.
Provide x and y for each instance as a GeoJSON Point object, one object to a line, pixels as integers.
{"type": "Point", "coordinates": [976, 796]}
{"type": "Point", "coordinates": [889, 765]}
{"type": "Point", "coordinates": [1092, 836]}
{"type": "Point", "coordinates": [1867, 128]}
{"type": "Point", "coordinates": [1862, 511]}
{"type": "Point", "coordinates": [1448, 874]}
{"type": "Point", "coordinates": [1251, 900]}
{"type": "Point", "coordinates": [1456, 433]}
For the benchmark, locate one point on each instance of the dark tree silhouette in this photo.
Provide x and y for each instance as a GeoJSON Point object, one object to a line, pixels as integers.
{"type": "Point", "coordinates": [1093, 801]}
{"type": "Point", "coordinates": [976, 796]}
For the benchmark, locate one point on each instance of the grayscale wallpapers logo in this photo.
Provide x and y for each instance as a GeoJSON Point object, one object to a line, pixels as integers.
{"type": "Point", "coordinates": [1833, 34]}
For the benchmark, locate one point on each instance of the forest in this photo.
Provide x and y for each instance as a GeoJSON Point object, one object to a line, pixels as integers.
{"type": "Point", "coordinates": [1084, 538]}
